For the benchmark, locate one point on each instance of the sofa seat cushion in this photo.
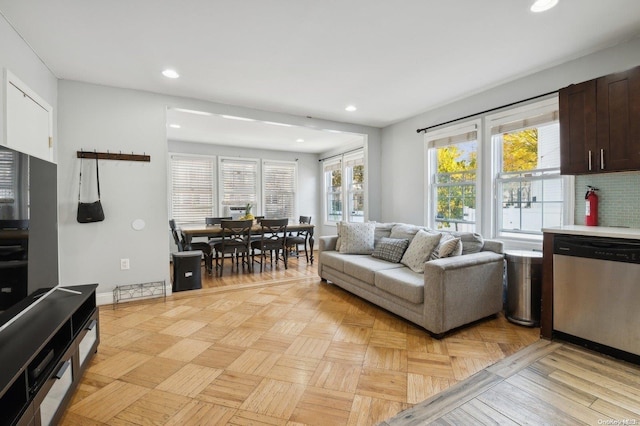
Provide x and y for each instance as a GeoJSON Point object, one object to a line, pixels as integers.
{"type": "Point", "coordinates": [401, 282]}
{"type": "Point", "coordinates": [365, 267]}
{"type": "Point", "coordinates": [334, 260]}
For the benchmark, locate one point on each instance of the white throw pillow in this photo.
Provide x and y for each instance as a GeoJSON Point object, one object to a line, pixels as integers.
{"type": "Point", "coordinates": [420, 249]}
{"type": "Point", "coordinates": [357, 238]}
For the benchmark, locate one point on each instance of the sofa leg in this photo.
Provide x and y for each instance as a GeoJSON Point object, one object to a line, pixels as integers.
{"type": "Point", "coordinates": [324, 280]}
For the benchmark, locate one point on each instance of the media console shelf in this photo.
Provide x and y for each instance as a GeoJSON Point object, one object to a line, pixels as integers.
{"type": "Point", "coordinates": [43, 355]}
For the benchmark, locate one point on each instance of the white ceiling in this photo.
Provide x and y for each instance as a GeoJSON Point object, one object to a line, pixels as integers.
{"type": "Point", "coordinates": [228, 130]}
{"type": "Point", "coordinates": [392, 59]}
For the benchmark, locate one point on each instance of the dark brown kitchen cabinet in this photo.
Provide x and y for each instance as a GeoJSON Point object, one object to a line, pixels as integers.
{"type": "Point", "coordinates": [600, 124]}
{"type": "Point", "coordinates": [577, 105]}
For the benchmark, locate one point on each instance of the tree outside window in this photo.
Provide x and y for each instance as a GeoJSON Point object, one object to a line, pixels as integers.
{"type": "Point", "coordinates": [455, 183]}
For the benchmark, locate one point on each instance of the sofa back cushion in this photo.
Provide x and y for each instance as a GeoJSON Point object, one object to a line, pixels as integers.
{"type": "Point", "coordinates": [403, 230]}
{"type": "Point", "coordinates": [471, 242]}
{"type": "Point", "coordinates": [357, 238]}
{"type": "Point", "coordinates": [420, 249]}
{"type": "Point", "coordinates": [390, 249]}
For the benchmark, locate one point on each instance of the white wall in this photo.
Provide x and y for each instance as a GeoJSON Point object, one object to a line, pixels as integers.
{"type": "Point", "coordinates": [106, 118]}
{"type": "Point", "coordinates": [402, 183]}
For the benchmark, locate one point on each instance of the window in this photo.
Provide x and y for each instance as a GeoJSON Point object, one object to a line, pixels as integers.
{"type": "Point", "coordinates": [7, 177]}
{"type": "Point", "coordinates": [280, 185]}
{"type": "Point", "coordinates": [239, 182]}
{"type": "Point", "coordinates": [528, 185]}
{"type": "Point", "coordinates": [453, 158]}
{"type": "Point", "coordinates": [354, 176]}
{"type": "Point", "coordinates": [344, 185]}
{"type": "Point", "coordinates": [192, 188]}
{"type": "Point", "coordinates": [333, 189]}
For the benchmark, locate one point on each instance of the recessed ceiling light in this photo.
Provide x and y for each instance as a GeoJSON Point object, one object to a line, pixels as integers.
{"type": "Point", "coordinates": [273, 123]}
{"type": "Point", "coordinates": [299, 140]}
{"type": "Point", "coordinates": [350, 108]}
{"type": "Point", "coordinates": [233, 117]}
{"type": "Point", "coordinates": [192, 111]}
{"type": "Point", "coordinates": [175, 126]}
{"type": "Point", "coordinates": [542, 5]}
{"type": "Point", "coordinates": [170, 73]}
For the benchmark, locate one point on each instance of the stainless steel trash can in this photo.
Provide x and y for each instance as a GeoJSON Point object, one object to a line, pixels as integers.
{"type": "Point", "coordinates": [186, 270]}
{"type": "Point", "coordinates": [524, 281]}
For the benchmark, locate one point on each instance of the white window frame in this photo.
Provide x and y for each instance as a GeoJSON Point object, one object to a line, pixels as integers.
{"type": "Point", "coordinates": [257, 197]}
{"type": "Point", "coordinates": [266, 164]}
{"type": "Point", "coordinates": [326, 165]}
{"type": "Point", "coordinates": [525, 116]}
{"type": "Point", "coordinates": [214, 190]}
{"type": "Point", "coordinates": [345, 161]}
{"type": "Point", "coordinates": [440, 138]}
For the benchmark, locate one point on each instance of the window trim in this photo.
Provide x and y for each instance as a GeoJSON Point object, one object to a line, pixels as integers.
{"type": "Point", "coordinates": [214, 175]}
{"type": "Point", "coordinates": [264, 165]}
{"type": "Point", "coordinates": [486, 170]}
{"type": "Point", "coordinates": [438, 139]}
{"type": "Point", "coordinates": [257, 207]}
{"type": "Point", "coordinates": [342, 159]}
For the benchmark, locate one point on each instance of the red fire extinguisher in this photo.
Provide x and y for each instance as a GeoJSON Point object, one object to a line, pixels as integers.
{"type": "Point", "coordinates": [591, 207]}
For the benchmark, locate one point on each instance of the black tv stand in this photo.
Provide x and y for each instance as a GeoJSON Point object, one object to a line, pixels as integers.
{"type": "Point", "coordinates": [44, 353]}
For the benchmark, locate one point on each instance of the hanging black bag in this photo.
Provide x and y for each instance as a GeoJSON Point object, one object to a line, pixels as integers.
{"type": "Point", "coordinates": [90, 212]}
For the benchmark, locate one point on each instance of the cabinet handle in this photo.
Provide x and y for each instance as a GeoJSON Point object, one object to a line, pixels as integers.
{"type": "Point", "coordinates": [62, 369]}
{"type": "Point", "coordinates": [602, 159]}
{"type": "Point", "coordinates": [589, 160]}
{"type": "Point", "coordinates": [91, 325]}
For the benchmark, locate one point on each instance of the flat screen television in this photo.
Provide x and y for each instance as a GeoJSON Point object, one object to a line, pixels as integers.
{"type": "Point", "coordinates": [28, 231]}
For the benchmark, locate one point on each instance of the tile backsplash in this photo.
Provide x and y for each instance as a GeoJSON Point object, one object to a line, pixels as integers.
{"type": "Point", "coordinates": [618, 196]}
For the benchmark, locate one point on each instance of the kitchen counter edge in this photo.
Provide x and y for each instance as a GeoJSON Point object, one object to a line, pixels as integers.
{"type": "Point", "coordinates": [596, 231]}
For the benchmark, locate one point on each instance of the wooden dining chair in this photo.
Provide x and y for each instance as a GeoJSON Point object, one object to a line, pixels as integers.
{"type": "Point", "coordinates": [273, 237]}
{"type": "Point", "coordinates": [178, 238]}
{"type": "Point", "coordinates": [210, 221]}
{"type": "Point", "coordinates": [235, 242]}
{"type": "Point", "coordinates": [300, 237]}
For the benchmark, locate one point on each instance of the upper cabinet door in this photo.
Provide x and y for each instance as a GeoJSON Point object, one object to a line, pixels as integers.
{"type": "Point", "coordinates": [618, 117]}
{"type": "Point", "coordinates": [577, 105]}
{"type": "Point", "coordinates": [28, 119]}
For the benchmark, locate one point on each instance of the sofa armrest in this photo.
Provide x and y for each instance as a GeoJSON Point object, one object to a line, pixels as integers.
{"type": "Point", "coordinates": [327, 243]}
{"type": "Point", "coordinates": [495, 246]}
{"type": "Point", "coordinates": [462, 289]}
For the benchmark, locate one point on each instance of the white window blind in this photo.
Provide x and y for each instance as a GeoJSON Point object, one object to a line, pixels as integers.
{"type": "Point", "coordinates": [7, 177]}
{"type": "Point", "coordinates": [239, 182]}
{"type": "Point", "coordinates": [192, 188]}
{"type": "Point", "coordinates": [279, 180]}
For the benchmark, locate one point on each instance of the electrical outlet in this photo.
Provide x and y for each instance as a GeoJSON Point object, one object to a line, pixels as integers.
{"type": "Point", "coordinates": [124, 264]}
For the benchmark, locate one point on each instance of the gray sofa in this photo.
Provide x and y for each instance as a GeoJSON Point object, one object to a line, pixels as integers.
{"type": "Point", "coordinates": [452, 292]}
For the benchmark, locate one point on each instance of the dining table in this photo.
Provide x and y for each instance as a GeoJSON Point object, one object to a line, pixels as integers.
{"type": "Point", "coordinates": [193, 230]}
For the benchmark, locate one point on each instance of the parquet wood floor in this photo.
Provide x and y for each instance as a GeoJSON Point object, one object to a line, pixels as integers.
{"type": "Point", "coordinates": [277, 348]}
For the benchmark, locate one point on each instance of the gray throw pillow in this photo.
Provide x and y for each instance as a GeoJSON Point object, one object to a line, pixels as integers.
{"type": "Point", "coordinates": [357, 238]}
{"type": "Point", "coordinates": [390, 249]}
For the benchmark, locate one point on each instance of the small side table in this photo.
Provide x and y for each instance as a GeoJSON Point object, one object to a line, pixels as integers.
{"type": "Point", "coordinates": [524, 282]}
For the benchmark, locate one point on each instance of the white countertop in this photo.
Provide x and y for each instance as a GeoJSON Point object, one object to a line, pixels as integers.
{"type": "Point", "coordinates": [596, 231]}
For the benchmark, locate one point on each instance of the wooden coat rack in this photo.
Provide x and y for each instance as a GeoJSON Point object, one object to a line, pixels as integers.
{"type": "Point", "coordinates": [113, 156]}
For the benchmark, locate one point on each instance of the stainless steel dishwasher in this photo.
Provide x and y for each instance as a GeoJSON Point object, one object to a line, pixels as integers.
{"type": "Point", "coordinates": [596, 290]}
